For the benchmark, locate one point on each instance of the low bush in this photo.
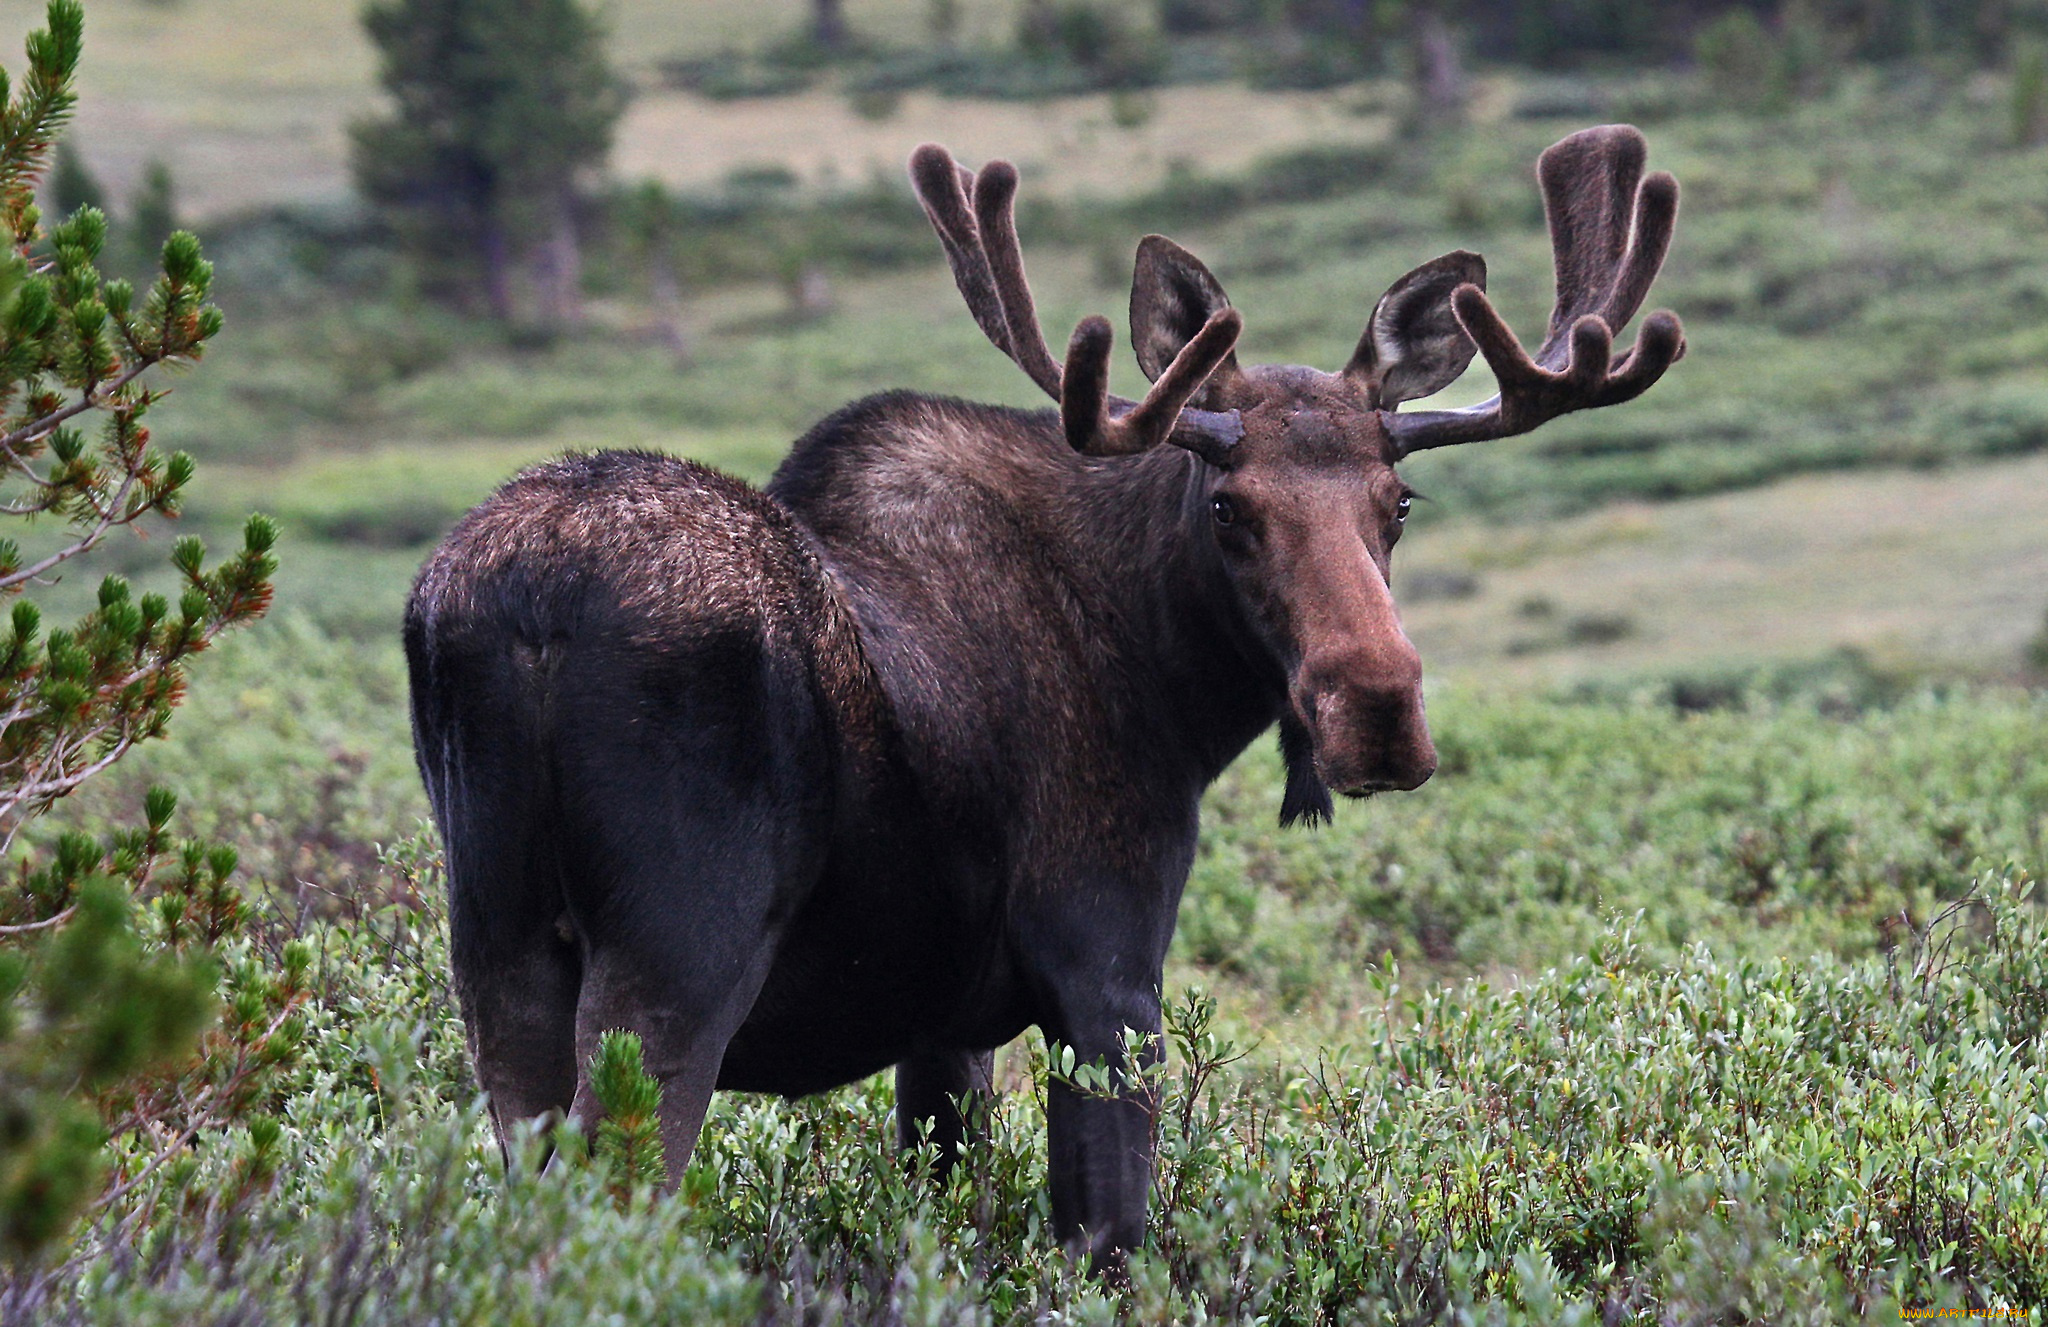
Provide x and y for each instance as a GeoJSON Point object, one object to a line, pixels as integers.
{"type": "Point", "coordinates": [1800, 1078]}
{"type": "Point", "coordinates": [1615, 1138]}
{"type": "Point", "coordinates": [1759, 826]}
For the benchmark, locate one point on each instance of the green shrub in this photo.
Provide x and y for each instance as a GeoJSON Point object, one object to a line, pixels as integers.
{"type": "Point", "coordinates": [1759, 826]}
{"type": "Point", "coordinates": [1684, 1138]}
{"type": "Point", "coordinates": [1738, 55]}
{"type": "Point", "coordinates": [1661, 1115]}
{"type": "Point", "coordinates": [2029, 93]}
{"type": "Point", "coordinates": [102, 1003]}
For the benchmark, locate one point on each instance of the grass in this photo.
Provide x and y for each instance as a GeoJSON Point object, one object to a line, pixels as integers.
{"type": "Point", "coordinates": [1923, 570]}
{"type": "Point", "coordinates": [1636, 1012]}
{"type": "Point", "coordinates": [1072, 145]}
{"type": "Point", "coordinates": [1882, 314]}
{"type": "Point", "coordinates": [250, 100]}
{"type": "Point", "coordinates": [1659, 1004]}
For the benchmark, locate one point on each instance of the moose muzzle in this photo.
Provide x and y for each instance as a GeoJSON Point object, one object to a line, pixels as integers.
{"type": "Point", "coordinates": [1362, 707]}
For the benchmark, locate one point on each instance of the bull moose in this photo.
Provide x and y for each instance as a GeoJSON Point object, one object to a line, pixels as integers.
{"type": "Point", "coordinates": [903, 755]}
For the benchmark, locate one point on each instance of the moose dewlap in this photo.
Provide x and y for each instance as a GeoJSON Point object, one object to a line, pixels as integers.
{"type": "Point", "coordinates": [902, 756]}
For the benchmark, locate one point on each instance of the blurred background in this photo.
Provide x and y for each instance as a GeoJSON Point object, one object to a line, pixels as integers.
{"type": "Point", "coordinates": [457, 236]}
{"type": "Point", "coordinates": [684, 224]}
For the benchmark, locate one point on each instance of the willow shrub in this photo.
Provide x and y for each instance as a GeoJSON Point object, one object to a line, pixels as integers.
{"type": "Point", "coordinates": [1617, 1139]}
{"type": "Point", "coordinates": [1764, 828]}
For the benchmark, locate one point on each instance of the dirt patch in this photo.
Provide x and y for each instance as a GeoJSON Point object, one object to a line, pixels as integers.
{"type": "Point", "coordinates": [1910, 565]}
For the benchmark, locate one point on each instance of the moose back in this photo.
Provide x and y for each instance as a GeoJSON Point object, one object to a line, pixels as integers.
{"type": "Point", "coordinates": [902, 756]}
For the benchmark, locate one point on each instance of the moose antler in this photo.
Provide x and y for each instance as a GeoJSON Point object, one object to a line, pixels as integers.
{"type": "Point", "coordinates": [1609, 231]}
{"type": "Point", "coordinates": [1113, 426]}
{"type": "Point", "coordinates": [980, 239]}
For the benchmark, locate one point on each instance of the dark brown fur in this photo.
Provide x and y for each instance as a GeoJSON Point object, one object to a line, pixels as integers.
{"type": "Point", "coordinates": [903, 756]}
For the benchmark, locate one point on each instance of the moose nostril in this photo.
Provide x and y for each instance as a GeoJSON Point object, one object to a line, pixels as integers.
{"type": "Point", "coordinates": [1369, 738]}
{"type": "Point", "coordinates": [1356, 706]}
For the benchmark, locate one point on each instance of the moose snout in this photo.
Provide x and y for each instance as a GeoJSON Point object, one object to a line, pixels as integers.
{"type": "Point", "coordinates": [1365, 715]}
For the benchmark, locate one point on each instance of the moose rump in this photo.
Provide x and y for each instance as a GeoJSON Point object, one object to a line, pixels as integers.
{"type": "Point", "coordinates": [619, 673]}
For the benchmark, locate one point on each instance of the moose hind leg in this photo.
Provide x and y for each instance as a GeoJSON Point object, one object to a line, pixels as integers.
{"type": "Point", "coordinates": [517, 968]}
{"type": "Point", "coordinates": [683, 1026]}
{"type": "Point", "coordinates": [690, 857]}
{"type": "Point", "coordinates": [943, 1099]}
{"type": "Point", "coordinates": [522, 1026]}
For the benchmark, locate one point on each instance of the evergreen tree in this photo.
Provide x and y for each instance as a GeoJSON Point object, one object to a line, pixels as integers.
{"type": "Point", "coordinates": [103, 1003]}
{"type": "Point", "coordinates": [499, 106]}
{"type": "Point", "coordinates": [72, 185]}
{"type": "Point", "coordinates": [628, 1138]}
{"type": "Point", "coordinates": [828, 25]}
{"type": "Point", "coordinates": [153, 211]}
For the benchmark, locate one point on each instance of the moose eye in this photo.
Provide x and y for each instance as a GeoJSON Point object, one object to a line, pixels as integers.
{"type": "Point", "coordinates": [1223, 509]}
{"type": "Point", "coordinates": [1401, 508]}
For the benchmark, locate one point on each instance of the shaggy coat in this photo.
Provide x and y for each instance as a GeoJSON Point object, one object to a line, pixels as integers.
{"type": "Point", "coordinates": [902, 756]}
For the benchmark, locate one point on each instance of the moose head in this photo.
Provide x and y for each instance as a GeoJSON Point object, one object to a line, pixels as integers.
{"type": "Point", "coordinates": [1302, 498]}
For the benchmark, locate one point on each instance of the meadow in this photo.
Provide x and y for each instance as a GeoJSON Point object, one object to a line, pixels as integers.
{"type": "Point", "coordinates": [1705, 983]}
{"type": "Point", "coordinates": [1876, 316]}
{"type": "Point", "coordinates": [1707, 1000]}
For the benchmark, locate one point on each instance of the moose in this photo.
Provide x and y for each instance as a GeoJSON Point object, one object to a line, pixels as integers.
{"type": "Point", "coordinates": [901, 756]}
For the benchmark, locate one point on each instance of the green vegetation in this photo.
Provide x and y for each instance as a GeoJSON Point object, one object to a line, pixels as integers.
{"type": "Point", "coordinates": [1757, 830]}
{"type": "Point", "coordinates": [1688, 996]}
{"type": "Point", "coordinates": [1685, 992]}
{"type": "Point", "coordinates": [1861, 284]}
{"type": "Point", "coordinates": [500, 105]}
{"type": "Point", "coordinates": [107, 946]}
{"type": "Point", "coordinates": [1631, 1133]}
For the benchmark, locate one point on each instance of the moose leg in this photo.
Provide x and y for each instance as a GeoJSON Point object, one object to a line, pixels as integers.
{"type": "Point", "coordinates": [684, 1020]}
{"type": "Point", "coordinates": [1101, 1144]}
{"type": "Point", "coordinates": [519, 1004]}
{"type": "Point", "coordinates": [517, 969]}
{"type": "Point", "coordinates": [942, 1098]}
{"type": "Point", "coordinates": [689, 841]}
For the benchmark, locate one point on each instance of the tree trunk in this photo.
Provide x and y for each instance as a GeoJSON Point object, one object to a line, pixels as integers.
{"type": "Point", "coordinates": [497, 256]}
{"type": "Point", "coordinates": [1440, 90]}
{"type": "Point", "coordinates": [1038, 27]}
{"type": "Point", "coordinates": [666, 295]}
{"type": "Point", "coordinates": [559, 270]}
{"type": "Point", "coordinates": [828, 24]}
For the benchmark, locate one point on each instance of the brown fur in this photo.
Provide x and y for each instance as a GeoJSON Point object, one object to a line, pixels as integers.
{"type": "Point", "coordinates": [904, 755]}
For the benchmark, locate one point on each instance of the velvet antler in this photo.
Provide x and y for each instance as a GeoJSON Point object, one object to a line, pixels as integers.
{"type": "Point", "coordinates": [1609, 231]}
{"type": "Point", "coordinates": [1105, 425]}
{"type": "Point", "coordinates": [980, 240]}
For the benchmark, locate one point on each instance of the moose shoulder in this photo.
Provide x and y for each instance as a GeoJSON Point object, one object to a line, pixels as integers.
{"type": "Point", "coordinates": [903, 756]}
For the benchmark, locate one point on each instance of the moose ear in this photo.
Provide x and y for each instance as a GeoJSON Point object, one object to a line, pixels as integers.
{"type": "Point", "coordinates": [1172, 298]}
{"type": "Point", "coordinates": [1413, 344]}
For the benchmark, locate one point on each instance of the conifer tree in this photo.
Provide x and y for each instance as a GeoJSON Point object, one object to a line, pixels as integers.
{"type": "Point", "coordinates": [152, 212]}
{"type": "Point", "coordinates": [498, 107]}
{"type": "Point", "coordinates": [102, 1002]}
{"type": "Point", "coordinates": [73, 185]}
{"type": "Point", "coordinates": [629, 1135]}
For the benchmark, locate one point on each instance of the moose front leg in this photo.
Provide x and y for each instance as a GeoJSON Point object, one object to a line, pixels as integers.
{"type": "Point", "coordinates": [1101, 1134]}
